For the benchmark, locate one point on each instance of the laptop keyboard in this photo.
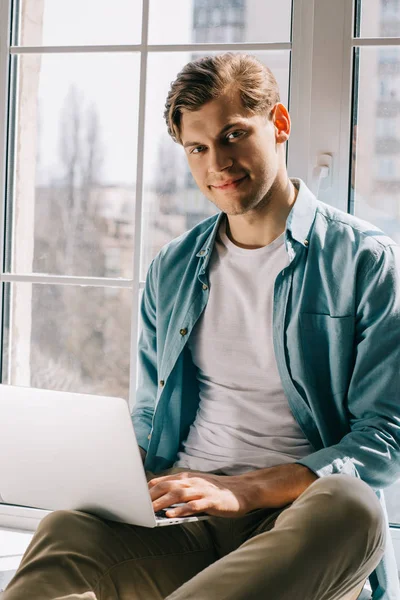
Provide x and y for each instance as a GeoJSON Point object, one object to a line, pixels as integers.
{"type": "Point", "coordinates": [160, 514]}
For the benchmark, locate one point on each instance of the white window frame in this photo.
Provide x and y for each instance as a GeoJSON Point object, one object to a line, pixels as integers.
{"type": "Point", "coordinates": [320, 107]}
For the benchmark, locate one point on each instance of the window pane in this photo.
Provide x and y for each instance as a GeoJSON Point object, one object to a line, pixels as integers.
{"type": "Point", "coordinates": [62, 337]}
{"type": "Point", "coordinates": [375, 181]}
{"type": "Point", "coordinates": [379, 18]}
{"type": "Point", "coordinates": [172, 202]}
{"type": "Point", "coordinates": [78, 22]}
{"type": "Point", "coordinates": [219, 21]}
{"type": "Point", "coordinates": [376, 139]}
{"type": "Point", "coordinates": [72, 185]}
{"type": "Point", "coordinates": [392, 499]}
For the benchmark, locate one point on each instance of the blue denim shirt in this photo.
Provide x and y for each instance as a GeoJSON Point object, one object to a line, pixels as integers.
{"type": "Point", "coordinates": [336, 329]}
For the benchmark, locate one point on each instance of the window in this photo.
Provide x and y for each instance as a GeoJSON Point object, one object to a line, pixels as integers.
{"type": "Point", "coordinates": [386, 169]}
{"type": "Point", "coordinates": [376, 141]}
{"type": "Point", "coordinates": [85, 128]}
{"type": "Point", "coordinates": [375, 180]}
{"type": "Point", "coordinates": [386, 127]}
{"type": "Point", "coordinates": [95, 187]}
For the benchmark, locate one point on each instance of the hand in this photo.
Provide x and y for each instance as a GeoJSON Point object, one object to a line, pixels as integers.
{"type": "Point", "coordinates": [220, 496]}
{"type": "Point", "coordinates": [273, 487]}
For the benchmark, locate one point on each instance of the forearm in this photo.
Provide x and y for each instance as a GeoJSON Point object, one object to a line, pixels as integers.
{"type": "Point", "coordinates": [277, 486]}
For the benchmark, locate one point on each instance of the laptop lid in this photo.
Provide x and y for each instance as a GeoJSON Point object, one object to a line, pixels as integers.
{"type": "Point", "coordinates": [64, 450]}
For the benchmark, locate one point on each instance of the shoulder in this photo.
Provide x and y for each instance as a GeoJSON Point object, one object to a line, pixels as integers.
{"type": "Point", "coordinates": [179, 256]}
{"type": "Point", "coordinates": [344, 231]}
{"type": "Point", "coordinates": [190, 241]}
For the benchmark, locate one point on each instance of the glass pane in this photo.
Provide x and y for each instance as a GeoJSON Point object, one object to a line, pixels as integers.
{"type": "Point", "coordinates": [62, 337]}
{"type": "Point", "coordinates": [392, 498]}
{"type": "Point", "coordinates": [172, 202]}
{"type": "Point", "coordinates": [376, 139]}
{"type": "Point", "coordinates": [375, 180]}
{"type": "Point", "coordinates": [219, 21]}
{"type": "Point", "coordinates": [379, 18]}
{"type": "Point", "coordinates": [72, 186]}
{"type": "Point", "coordinates": [79, 22]}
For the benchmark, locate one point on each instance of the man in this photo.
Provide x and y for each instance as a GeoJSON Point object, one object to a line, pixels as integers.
{"type": "Point", "coordinates": [269, 383]}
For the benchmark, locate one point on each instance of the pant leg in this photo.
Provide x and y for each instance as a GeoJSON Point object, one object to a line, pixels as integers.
{"type": "Point", "coordinates": [78, 556]}
{"type": "Point", "coordinates": [323, 546]}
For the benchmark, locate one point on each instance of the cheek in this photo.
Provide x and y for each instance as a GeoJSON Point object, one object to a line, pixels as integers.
{"type": "Point", "coordinates": [267, 161]}
{"type": "Point", "coordinates": [199, 175]}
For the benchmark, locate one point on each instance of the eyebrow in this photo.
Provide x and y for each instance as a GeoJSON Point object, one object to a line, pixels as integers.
{"type": "Point", "coordinates": [225, 128]}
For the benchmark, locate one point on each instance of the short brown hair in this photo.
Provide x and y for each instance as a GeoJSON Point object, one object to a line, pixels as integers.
{"type": "Point", "coordinates": [208, 77]}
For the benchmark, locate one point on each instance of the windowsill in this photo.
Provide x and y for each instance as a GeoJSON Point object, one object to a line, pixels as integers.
{"type": "Point", "coordinates": [13, 544]}
{"type": "Point", "coordinates": [22, 518]}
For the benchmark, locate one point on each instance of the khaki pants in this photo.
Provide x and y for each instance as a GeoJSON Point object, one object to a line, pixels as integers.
{"type": "Point", "coordinates": [321, 547]}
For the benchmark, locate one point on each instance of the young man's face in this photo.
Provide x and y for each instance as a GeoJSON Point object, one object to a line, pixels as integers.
{"type": "Point", "coordinates": [248, 149]}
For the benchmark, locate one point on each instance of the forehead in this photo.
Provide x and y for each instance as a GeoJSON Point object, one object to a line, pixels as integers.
{"type": "Point", "coordinates": [213, 116]}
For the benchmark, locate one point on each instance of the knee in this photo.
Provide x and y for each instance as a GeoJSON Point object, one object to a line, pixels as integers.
{"type": "Point", "coordinates": [348, 505]}
{"type": "Point", "coordinates": [67, 528]}
{"type": "Point", "coordinates": [58, 521]}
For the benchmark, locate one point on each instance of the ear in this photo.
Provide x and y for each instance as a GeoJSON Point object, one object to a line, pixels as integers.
{"type": "Point", "coordinates": [281, 121]}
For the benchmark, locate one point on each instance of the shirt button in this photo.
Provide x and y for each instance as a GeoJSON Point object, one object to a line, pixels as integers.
{"type": "Point", "coordinates": [183, 331]}
{"type": "Point", "coordinates": [205, 287]}
{"type": "Point", "coordinates": [305, 242]}
{"type": "Point", "coordinates": [162, 382]}
{"type": "Point", "coordinates": [149, 436]}
{"type": "Point", "coordinates": [202, 252]}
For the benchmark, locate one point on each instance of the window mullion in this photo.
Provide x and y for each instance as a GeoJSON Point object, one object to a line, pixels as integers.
{"type": "Point", "coordinates": [138, 207]}
{"type": "Point", "coordinates": [324, 84]}
{"type": "Point", "coordinates": [345, 140]}
{"type": "Point", "coordinates": [5, 21]}
{"type": "Point", "coordinates": [300, 88]}
{"type": "Point", "coordinates": [65, 280]}
{"type": "Point", "coordinates": [158, 48]}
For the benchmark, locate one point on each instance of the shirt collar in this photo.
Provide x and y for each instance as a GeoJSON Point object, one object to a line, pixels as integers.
{"type": "Point", "coordinates": [298, 223]}
{"type": "Point", "coordinates": [302, 214]}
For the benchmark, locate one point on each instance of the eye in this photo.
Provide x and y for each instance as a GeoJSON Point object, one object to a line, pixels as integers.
{"type": "Point", "coordinates": [232, 132]}
{"type": "Point", "coordinates": [193, 151]}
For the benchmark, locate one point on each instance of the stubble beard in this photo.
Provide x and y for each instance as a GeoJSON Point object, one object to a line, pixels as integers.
{"type": "Point", "coordinates": [258, 204]}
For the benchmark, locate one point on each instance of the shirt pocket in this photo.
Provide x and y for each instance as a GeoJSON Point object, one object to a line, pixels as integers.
{"type": "Point", "coordinates": [327, 345]}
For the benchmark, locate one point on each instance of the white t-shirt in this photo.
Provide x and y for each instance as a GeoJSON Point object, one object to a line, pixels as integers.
{"type": "Point", "coordinates": [243, 421]}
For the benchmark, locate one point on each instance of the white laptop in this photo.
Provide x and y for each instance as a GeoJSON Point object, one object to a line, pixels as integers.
{"type": "Point", "coordinates": [62, 450]}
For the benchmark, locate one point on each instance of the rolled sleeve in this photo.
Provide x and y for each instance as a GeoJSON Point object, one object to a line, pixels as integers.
{"type": "Point", "coordinates": [371, 450]}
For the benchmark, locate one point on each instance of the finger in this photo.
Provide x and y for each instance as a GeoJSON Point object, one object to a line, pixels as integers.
{"type": "Point", "coordinates": [156, 480]}
{"type": "Point", "coordinates": [164, 488]}
{"type": "Point", "coordinates": [164, 501]}
{"type": "Point", "coordinates": [190, 508]}
{"type": "Point", "coordinates": [174, 496]}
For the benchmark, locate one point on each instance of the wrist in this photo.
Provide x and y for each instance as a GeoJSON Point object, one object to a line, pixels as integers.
{"type": "Point", "coordinates": [305, 477]}
{"type": "Point", "coordinates": [277, 486]}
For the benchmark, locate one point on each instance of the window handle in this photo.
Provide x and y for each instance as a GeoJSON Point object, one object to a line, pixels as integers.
{"type": "Point", "coordinates": [322, 172]}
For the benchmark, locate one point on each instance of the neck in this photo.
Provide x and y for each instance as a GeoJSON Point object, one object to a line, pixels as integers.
{"type": "Point", "coordinates": [260, 227]}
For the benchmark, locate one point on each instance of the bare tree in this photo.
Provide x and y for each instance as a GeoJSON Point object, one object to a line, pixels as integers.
{"type": "Point", "coordinates": [77, 342]}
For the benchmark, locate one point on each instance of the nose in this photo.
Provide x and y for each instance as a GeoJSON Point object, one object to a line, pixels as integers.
{"type": "Point", "coordinates": [219, 160]}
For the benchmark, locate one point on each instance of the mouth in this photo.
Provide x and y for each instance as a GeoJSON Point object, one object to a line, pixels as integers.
{"type": "Point", "coordinates": [231, 186]}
